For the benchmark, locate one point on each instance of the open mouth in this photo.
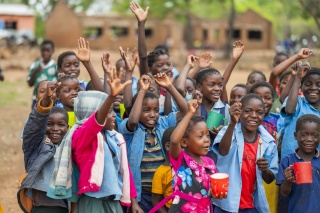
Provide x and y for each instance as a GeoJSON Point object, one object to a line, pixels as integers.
{"type": "Point", "coordinates": [254, 123]}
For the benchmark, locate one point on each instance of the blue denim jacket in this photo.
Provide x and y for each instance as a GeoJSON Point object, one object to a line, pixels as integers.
{"type": "Point", "coordinates": [232, 163]}
{"type": "Point", "coordinates": [136, 141]}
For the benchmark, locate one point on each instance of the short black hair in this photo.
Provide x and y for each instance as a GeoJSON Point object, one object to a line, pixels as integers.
{"type": "Point", "coordinates": [60, 110]}
{"type": "Point", "coordinates": [62, 56]}
{"type": "Point", "coordinates": [204, 73]}
{"type": "Point", "coordinates": [166, 136]}
{"type": "Point", "coordinates": [242, 86]}
{"type": "Point", "coordinates": [152, 79]}
{"type": "Point", "coordinates": [47, 42]}
{"type": "Point", "coordinates": [257, 72]}
{"type": "Point", "coordinates": [64, 78]}
{"type": "Point", "coordinates": [284, 75]}
{"type": "Point", "coordinates": [148, 95]}
{"type": "Point", "coordinates": [154, 55]}
{"type": "Point", "coordinates": [193, 82]}
{"type": "Point", "coordinates": [194, 120]}
{"type": "Point", "coordinates": [262, 84]}
{"type": "Point", "coordinates": [244, 100]}
{"type": "Point", "coordinates": [280, 54]}
{"type": "Point", "coordinates": [162, 47]}
{"type": "Point", "coordinates": [307, 118]}
{"type": "Point", "coordinates": [312, 71]}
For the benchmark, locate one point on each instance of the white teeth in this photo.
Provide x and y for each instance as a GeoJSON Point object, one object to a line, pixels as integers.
{"type": "Point", "coordinates": [252, 122]}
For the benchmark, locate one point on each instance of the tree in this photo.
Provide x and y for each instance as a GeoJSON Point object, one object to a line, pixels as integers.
{"type": "Point", "coordinates": [313, 8]}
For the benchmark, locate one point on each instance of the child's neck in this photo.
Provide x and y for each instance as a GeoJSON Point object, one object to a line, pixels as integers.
{"type": "Point", "coordinates": [45, 62]}
{"type": "Point", "coordinates": [167, 161]}
{"type": "Point", "coordinates": [197, 158]}
{"type": "Point", "coordinates": [249, 135]}
{"type": "Point", "coordinates": [305, 156]}
{"type": "Point", "coordinates": [207, 104]}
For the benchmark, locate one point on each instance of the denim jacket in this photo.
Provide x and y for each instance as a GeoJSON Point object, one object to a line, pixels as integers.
{"type": "Point", "coordinates": [232, 163]}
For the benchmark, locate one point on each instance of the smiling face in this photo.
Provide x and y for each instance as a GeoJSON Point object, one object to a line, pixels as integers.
{"type": "Point", "coordinates": [57, 127]}
{"type": "Point", "coordinates": [211, 87]}
{"type": "Point", "coordinates": [252, 115]}
{"type": "Point", "coordinates": [70, 66]}
{"type": "Point", "coordinates": [111, 120]}
{"type": "Point", "coordinates": [311, 89]}
{"type": "Point", "coordinates": [307, 137]}
{"type": "Point", "coordinates": [197, 140]}
{"type": "Point", "coordinates": [266, 95]}
{"type": "Point", "coordinates": [68, 92]}
{"type": "Point", "coordinates": [236, 94]}
{"type": "Point", "coordinates": [162, 64]}
{"type": "Point", "coordinates": [117, 101]}
{"type": "Point", "coordinates": [150, 112]}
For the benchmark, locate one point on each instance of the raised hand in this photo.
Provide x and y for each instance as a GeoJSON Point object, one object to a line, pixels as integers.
{"type": "Point", "coordinates": [304, 53]}
{"type": "Point", "coordinates": [235, 111]}
{"type": "Point", "coordinates": [106, 63]}
{"type": "Point", "coordinates": [83, 53]}
{"type": "Point", "coordinates": [144, 82]}
{"type": "Point", "coordinates": [114, 81]}
{"type": "Point", "coordinates": [192, 106]}
{"type": "Point", "coordinates": [238, 49]}
{"type": "Point", "coordinates": [135, 55]}
{"type": "Point", "coordinates": [52, 88]}
{"type": "Point", "coordinates": [130, 63]}
{"type": "Point", "coordinates": [162, 80]}
{"type": "Point", "coordinates": [197, 95]}
{"type": "Point", "coordinates": [205, 60]}
{"type": "Point", "coordinates": [192, 59]}
{"type": "Point", "coordinates": [138, 11]}
{"type": "Point", "coordinates": [302, 69]}
{"type": "Point", "coordinates": [294, 68]}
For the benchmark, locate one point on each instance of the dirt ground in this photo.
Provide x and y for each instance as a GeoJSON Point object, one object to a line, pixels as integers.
{"type": "Point", "coordinates": [15, 101]}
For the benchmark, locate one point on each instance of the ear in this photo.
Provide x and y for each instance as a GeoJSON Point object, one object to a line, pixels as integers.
{"type": "Point", "coordinates": [183, 143]}
{"type": "Point", "coordinates": [167, 146]}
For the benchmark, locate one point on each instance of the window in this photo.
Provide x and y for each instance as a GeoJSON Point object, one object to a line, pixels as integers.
{"type": "Point", "coordinates": [149, 33]}
{"type": "Point", "coordinates": [236, 34]}
{"type": "Point", "coordinates": [10, 25]}
{"type": "Point", "coordinates": [119, 31]}
{"type": "Point", "coordinates": [204, 34]}
{"type": "Point", "coordinates": [254, 35]}
{"type": "Point", "coordinates": [92, 33]}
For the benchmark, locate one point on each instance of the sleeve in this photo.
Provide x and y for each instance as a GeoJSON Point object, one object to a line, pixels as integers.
{"type": "Point", "coordinates": [157, 182]}
{"type": "Point", "coordinates": [283, 112]}
{"type": "Point", "coordinates": [273, 159]}
{"type": "Point", "coordinates": [125, 132]}
{"type": "Point", "coordinates": [283, 165]}
{"type": "Point", "coordinates": [32, 67]}
{"type": "Point", "coordinates": [218, 138]}
{"type": "Point", "coordinates": [133, 190]}
{"type": "Point", "coordinates": [169, 120]}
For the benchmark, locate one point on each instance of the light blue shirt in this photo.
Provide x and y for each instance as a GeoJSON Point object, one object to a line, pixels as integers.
{"type": "Point", "coordinates": [288, 142]}
{"type": "Point", "coordinates": [232, 164]}
{"type": "Point", "coordinates": [136, 141]}
{"type": "Point", "coordinates": [134, 85]}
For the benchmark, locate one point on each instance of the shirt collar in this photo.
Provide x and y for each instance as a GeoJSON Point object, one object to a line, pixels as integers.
{"type": "Point", "coordinates": [316, 154]}
{"type": "Point", "coordinates": [218, 104]}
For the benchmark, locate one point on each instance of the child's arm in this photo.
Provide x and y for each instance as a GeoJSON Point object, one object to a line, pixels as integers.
{"type": "Point", "coordinates": [267, 174]}
{"type": "Point", "coordinates": [291, 104]}
{"type": "Point", "coordinates": [32, 78]}
{"type": "Point", "coordinates": [225, 143]}
{"type": "Point", "coordinates": [197, 95]}
{"type": "Point", "coordinates": [179, 131]}
{"type": "Point", "coordinates": [167, 104]}
{"type": "Point", "coordinates": [107, 68]}
{"type": "Point", "coordinates": [157, 198]}
{"type": "Point", "coordinates": [204, 61]}
{"type": "Point", "coordinates": [142, 46]}
{"type": "Point", "coordinates": [237, 51]}
{"type": "Point", "coordinates": [83, 55]}
{"type": "Point", "coordinates": [134, 115]}
{"type": "Point", "coordinates": [280, 68]}
{"type": "Point", "coordinates": [286, 90]}
{"type": "Point", "coordinates": [181, 81]}
{"type": "Point", "coordinates": [163, 80]}
{"type": "Point", "coordinates": [285, 188]}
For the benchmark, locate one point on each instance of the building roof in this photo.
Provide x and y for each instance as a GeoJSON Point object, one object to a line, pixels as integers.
{"type": "Point", "coordinates": [16, 9]}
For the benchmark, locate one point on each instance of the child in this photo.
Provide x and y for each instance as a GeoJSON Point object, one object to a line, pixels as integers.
{"type": "Point", "coordinates": [237, 92]}
{"type": "Point", "coordinates": [189, 145]}
{"type": "Point", "coordinates": [247, 152]}
{"type": "Point", "coordinates": [302, 197]}
{"type": "Point", "coordinates": [162, 179]}
{"type": "Point", "coordinates": [143, 131]}
{"type": "Point", "coordinates": [43, 70]}
{"type": "Point", "coordinates": [39, 146]}
{"type": "Point", "coordinates": [295, 106]}
{"type": "Point", "coordinates": [254, 77]}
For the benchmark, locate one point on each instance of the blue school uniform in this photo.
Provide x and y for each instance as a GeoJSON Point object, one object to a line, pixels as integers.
{"type": "Point", "coordinates": [136, 142]}
{"type": "Point", "coordinates": [303, 198]}
{"type": "Point", "coordinates": [289, 125]}
{"type": "Point", "coordinates": [232, 164]}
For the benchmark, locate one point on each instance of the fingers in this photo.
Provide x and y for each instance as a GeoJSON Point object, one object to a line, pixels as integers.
{"type": "Point", "coordinates": [127, 83]}
{"type": "Point", "coordinates": [88, 47]}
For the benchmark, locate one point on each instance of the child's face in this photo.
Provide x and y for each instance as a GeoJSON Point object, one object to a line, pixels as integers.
{"type": "Point", "coordinates": [211, 87]}
{"type": "Point", "coordinates": [57, 127]}
{"type": "Point", "coordinates": [46, 52]}
{"type": "Point", "coordinates": [118, 100]}
{"type": "Point", "coordinates": [307, 137]}
{"type": "Point", "coordinates": [70, 66]}
{"type": "Point", "coordinates": [190, 86]}
{"type": "Point", "coordinates": [311, 89]}
{"type": "Point", "coordinates": [254, 78]}
{"type": "Point", "coordinates": [42, 88]}
{"type": "Point", "coordinates": [236, 94]}
{"type": "Point", "coordinates": [252, 115]}
{"type": "Point", "coordinates": [150, 112]}
{"type": "Point", "coordinates": [266, 95]}
{"type": "Point", "coordinates": [69, 90]}
{"type": "Point", "coordinates": [197, 141]}
{"type": "Point", "coordinates": [162, 64]}
{"type": "Point", "coordinates": [283, 83]}
{"type": "Point", "coordinates": [111, 120]}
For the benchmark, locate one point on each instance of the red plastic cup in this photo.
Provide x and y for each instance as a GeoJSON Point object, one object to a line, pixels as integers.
{"type": "Point", "coordinates": [302, 172]}
{"type": "Point", "coordinates": [219, 184]}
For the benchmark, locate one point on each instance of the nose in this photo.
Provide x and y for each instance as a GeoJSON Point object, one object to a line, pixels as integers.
{"type": "Point", "coordinates": [253, 114]}
{"type": "Point", "coordinates": [55, 128]}
{"type": "Point", "coordinates": [152, 114]}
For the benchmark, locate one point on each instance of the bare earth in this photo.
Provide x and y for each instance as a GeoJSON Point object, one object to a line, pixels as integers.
{"type": "Point", "coordinates": [15, 101]}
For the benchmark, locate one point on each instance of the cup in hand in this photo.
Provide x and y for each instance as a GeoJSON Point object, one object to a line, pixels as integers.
{"type": "Point", "coordinates": [302, 172]}
{"type": "Point", "coordinates": [219, 184]}
{"type": "Point", "coordinates": [214, 119]}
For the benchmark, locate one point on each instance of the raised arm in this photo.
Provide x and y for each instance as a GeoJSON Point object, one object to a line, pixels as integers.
{"type": "Point", "coordinates": [225, 143]}
{"type": "Point", "coordinates": [135, 112]}
{"type": "Point", "coordinates": [204, 61]}
{"type": "Point", "coordinates": [237, 51]}
{"type": "Point", "coordinates": [286, 90]}
{"type": "Point", "coordinates": [83, 55]}
{"type": "Point", "coordinates": [107, 68]}
{"type": "Point", "coordinates": [141, 16]}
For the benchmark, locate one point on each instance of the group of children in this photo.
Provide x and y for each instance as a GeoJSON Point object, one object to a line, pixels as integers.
{"type": "Point", "coordinates": [82, 153]}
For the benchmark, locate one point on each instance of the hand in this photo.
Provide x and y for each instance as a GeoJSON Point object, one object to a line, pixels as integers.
{"type": "Point", "coordinates": [52, 88]}
{"type": "Point", "coordinates": [83, 53]}
{"type": "Point", "coordinates": [288, 173]}
{"type": "Point", "coordinates": [106, 64]}
{"type": "Point", "coordinates": [138, 11]}
{"type": "Point", "coordinates": [197, 95]}
{"type": "Point", "coordinates": [135, 55]}
{"type": "Point", "coordinates": [302, 69]}
{"type": "Point", "coordinates": [130, 63]}
{"type": "Point", "coordinates": [114, 81]}
{"type": "Point", "coordinates": [192, 106]}
{"type": "Point", "coordinates": [215, 130]}
{"type": "Point", "coordinates": [304, 53]}
{"type": "Point", "coordinates": [223, 195]}
{"type": "Point", "coordinates": [144, 82]}
{"type": "Point", "coordinates": [135, 208]}
{"type": "Point", "coordinates": [38, 69]}
{"type": "Point", "coordinates": [262, 164]}
{"type": "Point", "coordinates": [238, 49]}
{"type": "Point", "coordinates": [61, 74]}
{"type": "Point", "coordinates": [294, 68]}
{"type": "Point", "coordinates": [192, 59]}
{"type": "Point", "coordinates": [162, 80]}
{"type": "Point", "coordinates": [205, 60]}
{"type": "Point", "coordinates": [235, 111]}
